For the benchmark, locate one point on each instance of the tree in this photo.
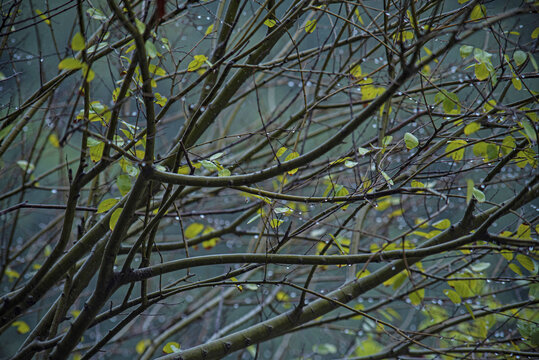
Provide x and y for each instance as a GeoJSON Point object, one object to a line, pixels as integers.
{"type": "Point", "coordinates": [271, 179]}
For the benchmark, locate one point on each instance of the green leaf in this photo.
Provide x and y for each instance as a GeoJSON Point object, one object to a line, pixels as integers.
{"type": "Point", "coordinates": [478, 195]}
{"type": "Point", "coordinates": [124, 184]}
{"type": "Point", "coordinates": [78, 43]}
{"type": "Point", "coordinates": [520, 57]}
{"type": "Point", "coordinates": [96, 14]}
{"type": "Point", "coordinates": [529, 129]}
{"type": "Point", "coordinates": [26, 166]}
{"type": "Point", "coordinates": [223, 172]}
{"type": "Point", "coordinates": [472, 127]}
{"type": "Point", "coordinates": [469, 190]}
{"type": "Point", "coordinates": [70, 64]}
{"type": "Point", "coordinates": [350, 164]}
{"type": "Point", "coordinates": [387, 178]}
{"type": "Point", "coordinates": [480, 266]}
{"type": "Point", "coordinates": [453, 296]}
{"type": "Point", "coordinates": [465, 51]}
{"type": "Point", "coordinates": [338, 243]}
{"type": "Point", "coordinates": [171, 347]}
{"type": "Point", "coordinates": [325, 349]}
{"type": "Point", "coordinates": [193, 230]}
{"type": "Point", "coordinates": [151, 51]}
{"type": "Point", "coordinates": [209, 165]}
{"type": "Point", "coordinates": [5, 131]}
{"type": "Point", "coordinates": [114, 218]}
{"type": "Point", "coordinates": [141, 27]}
{"type": "Point", "coordinates": [96, 152]}
{"type": "Point", "coordinates": [105, 205]}
{"type": "Point", "coordinates": [410, 140]}
{"type": "Point", "coordinates": [362, 151]}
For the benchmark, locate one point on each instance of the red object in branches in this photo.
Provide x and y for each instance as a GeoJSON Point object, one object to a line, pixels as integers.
{"type": "Point", "coordinates": [161, 9]}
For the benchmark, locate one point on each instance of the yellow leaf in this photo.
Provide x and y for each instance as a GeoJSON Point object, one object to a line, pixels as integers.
{"type": "Point", "coordinates": [442, 224]}
{"type": "Point", "coordinates": [70, 64]}
{"type": "Point", "coordinates": [193, 230]}
{"type": "Point", "coordinates": [515, 269]}
{"type": "Point", "coordinates": [141, 346]}
{"type": "Point", "coordinates": [524, 232]}
{"type": "Point", "coordinates": [114, 218]}
{"type": "Point", "coordinates": [455, 149]}
{"type": "Point", "coordinates": [356, 71]}
{"type": "Point", "coordinates": [75, 313]}
{"type": "Point", "coordinates": [171, 347]}
{"type": "Point", "coordinates": [282, 296]}
{"type": "Point", "coordinates": [209, 30]}
{"type": "Point", "coordinates": [292, 156]}
{"type": "Point", "coordinates": [526, 262]}
{"type": "Point", "coordinates": [274, 223]}
{"type": "Point", "coordinates": [517, 83]}
{"type": "Point", "coordinates": [417, 296]}
{"type": "Point", "coordinates": [481, 71]}
{"type": "Point", "coordinates": [53, 140]}
{"type": "Point", "coordinates": [471, 128]}
{"type": "Point", "coordinates": [198, 61]}
{"type": "Point", "coordinates": [45, 18]}
{"type": "Point", "coordinates": [535, 33]}
{"type": "Point", "coordinates": [310, 26]}
{"type": "Point", "coordinates": [105, 205]}
{"type": "Point", "coordinates": [78, 43]}
{"type": "Point", "coordinates": [453, 296]}
{"type": "Point", "coordinates": [22, 327]}
{"type": "Point", "coordinates": [478, 12]}
{"type": "Point", "coordinates": [270, 23]}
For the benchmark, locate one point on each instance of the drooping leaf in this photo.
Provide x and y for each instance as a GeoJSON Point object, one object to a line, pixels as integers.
{"type": "Point", "coordinates": [520, 57]}
{"type": "Point", "coordinates": [78, 43]}
{"type": "Point", "coordinates": [124, 184]}
{"type": "Point", "coordinates": [114, 218]}
{"type": "Point", "coordinates": [453, 296]}
{"type": "Point", "coordinates": [289, 157]}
